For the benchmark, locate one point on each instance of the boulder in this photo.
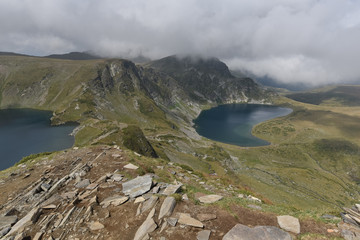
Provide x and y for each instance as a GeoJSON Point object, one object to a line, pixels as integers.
{"type": "Point", "coordinates": [289, 223]}
{"type": "Point", "coordinates": [187, 220]}
{"type": "Point", "coordinates": [137, 186]}
{"type": "Point", "coordinates": [242, 232]}
{"type": "Point", "coordinates": [148, 226]}
{"type": "Point", "coordinates": [167, 207]}
{"type": "Point", "coordinates": [210, 198]}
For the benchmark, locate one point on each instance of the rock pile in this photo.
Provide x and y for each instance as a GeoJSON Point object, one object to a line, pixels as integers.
{"type": "Point", "coordinates": [350, 227]}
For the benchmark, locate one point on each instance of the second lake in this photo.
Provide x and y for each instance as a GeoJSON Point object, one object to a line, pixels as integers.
{"type": "Point", "coordinates": [232, 123]}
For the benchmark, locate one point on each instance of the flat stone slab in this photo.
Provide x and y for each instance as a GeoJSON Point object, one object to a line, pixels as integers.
{"type": "Point", "coordinates": [148, 226]}
{"type": "Point", "coordinates": [32, 216]}
{"type": "Point", "coordinates": [83, 184]}
{"type": "Point", "coordinates": [167, 207]}
{"type": "Point", "coordinates": [187, 220]}
{"type": "Point", "coordinates": [7, 221]}
{"type": "Point", "coordinates": [210, 198]}
{"type": "Point", "coordinates": [131, 166]}
{"type": "Point", "coordinates": [94, 226]}
{"type": "Point", "coordinates": [289, 223]}
{"type": "Point", "coordinates": [242, 232]}
{"type": "Point", "coordinates": [51, 206]}
{"type": "Point", "coordinates": [137, 186]}
{"type": "Point", "coordinates": [171, 189]}
{"type": "Point", "coordinates": [114, 200]}
{"type": "Point", "coordinates": [148, 204]}
{"type": "Point", "coordinates": [117, 177]}
{"type": "Point", "coordinates": [92, 186]}
{"type": "Point", "coordinates": [203, 235]}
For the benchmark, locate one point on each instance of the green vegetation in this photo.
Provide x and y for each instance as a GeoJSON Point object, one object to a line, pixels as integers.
{"type": "Point", "coordinates": [32, 157]}
{"type": "Point", "coordinates": [135, 140]}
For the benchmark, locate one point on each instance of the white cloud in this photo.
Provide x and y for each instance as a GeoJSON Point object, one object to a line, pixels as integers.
{"type": "Point", "coordinates": [311, 41]}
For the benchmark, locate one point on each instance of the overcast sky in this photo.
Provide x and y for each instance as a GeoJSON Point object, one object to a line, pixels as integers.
{"type": "Point", "coordinates": [309, 41]}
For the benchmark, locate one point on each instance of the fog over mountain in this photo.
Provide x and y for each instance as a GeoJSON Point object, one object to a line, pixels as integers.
{"type": "Point", "coordinates": [308, 41]}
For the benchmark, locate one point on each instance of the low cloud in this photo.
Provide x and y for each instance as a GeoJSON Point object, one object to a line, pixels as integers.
{"type": "Point", "coordinates": [308, 41]}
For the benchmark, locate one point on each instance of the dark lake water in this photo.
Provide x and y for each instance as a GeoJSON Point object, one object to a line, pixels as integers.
{"type": "Point", "coordinates": [25, 131]}
{"type": "Point", "coordinates": [232, 123]}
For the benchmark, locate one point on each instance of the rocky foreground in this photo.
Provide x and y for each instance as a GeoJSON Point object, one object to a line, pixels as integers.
{"type": "Point", "coordinates": [104, 193]}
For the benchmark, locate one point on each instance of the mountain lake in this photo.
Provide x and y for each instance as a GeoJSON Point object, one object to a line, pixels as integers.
{"type": "Point", "coordinates": [232, 123]}
{"type": "Point", "coordinates": [26, 131]}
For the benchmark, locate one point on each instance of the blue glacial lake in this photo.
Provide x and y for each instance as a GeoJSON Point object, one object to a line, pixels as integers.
{"type": "Point", "coordinates": [232, 123]}
{"type": "Point", "coordinates": [25, 131]}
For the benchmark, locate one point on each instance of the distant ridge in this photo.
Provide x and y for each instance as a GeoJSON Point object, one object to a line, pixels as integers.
{"type": "Point", "coordinates": [12, 54]}
{"type": "Point", "coordinates": [74, 56]}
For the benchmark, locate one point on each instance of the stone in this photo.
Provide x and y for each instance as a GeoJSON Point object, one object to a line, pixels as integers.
{"type": "Point", "coordinates": [210, 198]}
{"type": "Point", "coordinates": [94, 226]}
{"type": "Point", "coordinates": [67, 216]}
{"type": "Point", "coordinates": [117, 177]}
{"type": "Point", "coordinates": [185, 197]}
{"type": "Point", "coordinates": [51, 206]}
{"type": "Point", "coordinates": [139, 200]}
{"type": "Point", "coordinates": [203, 235]}
{"type": "Point", "coordinates": [171, 189]}
{"type": "Point", "coordinates": [289, 223]}
{"type": "Point", "coordinates": [137, 186]}
{"type": "Point", "coordinates": [92, 186]}
{"type": "Point", "coordinates": [83, 184]}
{"type": "Point", "coordinates": [7, 221]}
{"type": "Point", "coordinates": [131, 166]}
{"type": "Point", "coordinates": [114, 200]}
{"type": "Point", "coordinates": [205, 217]}
{"type": "Point", "coordinates": [151, 213]}
{"type": "Point", "coordinates": [167, 207]}
{"type": "Point", "coordinates": [254, 206]}
{"type": "Point", "coordinates": [147, 227]}
{"type": "Point", "coordinates": [45, 187]}
{"type": "Point", "coordinates": [69, 195]}
{"type": "Point", "coordinates": [32, 217]}
{"type": "Point", "coordinates": [358, 207]}
{"type": "Point", "coordinates": [254, 199]}
{"type": "Point", "coordinates": [242, 232]}
{"type": "Point", "coordinates": [150, 203]}
{"type": "Point", "coordinates": [187, 220]}
{"type": "Point", "coordinates": [172, 221]}
{"type": "Point", "coordinates": [38, 236]}
{"type": "Point", "coordinates": [4, 231]}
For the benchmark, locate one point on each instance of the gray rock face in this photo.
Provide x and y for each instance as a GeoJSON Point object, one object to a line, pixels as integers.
{"type": "Point", "coordinates": [289, 223]}
{"type": "Point", "coordinates": [167, 207]}
{"type": "Point", "coordinates": [242, 232]}
{"type": "Point", "coordinates": [137, 186]}
{"type": "Point", "coordinates": [148, 226]}
{"type": "Point", "coordinates": [83, 184]}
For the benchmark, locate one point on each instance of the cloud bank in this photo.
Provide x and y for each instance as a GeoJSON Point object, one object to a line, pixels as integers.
{"type": "Point", "coordinates": [308, 41]}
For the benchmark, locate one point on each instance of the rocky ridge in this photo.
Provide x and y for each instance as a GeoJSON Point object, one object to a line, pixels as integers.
{"type": "Point", "coordinates": [99, 193]}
